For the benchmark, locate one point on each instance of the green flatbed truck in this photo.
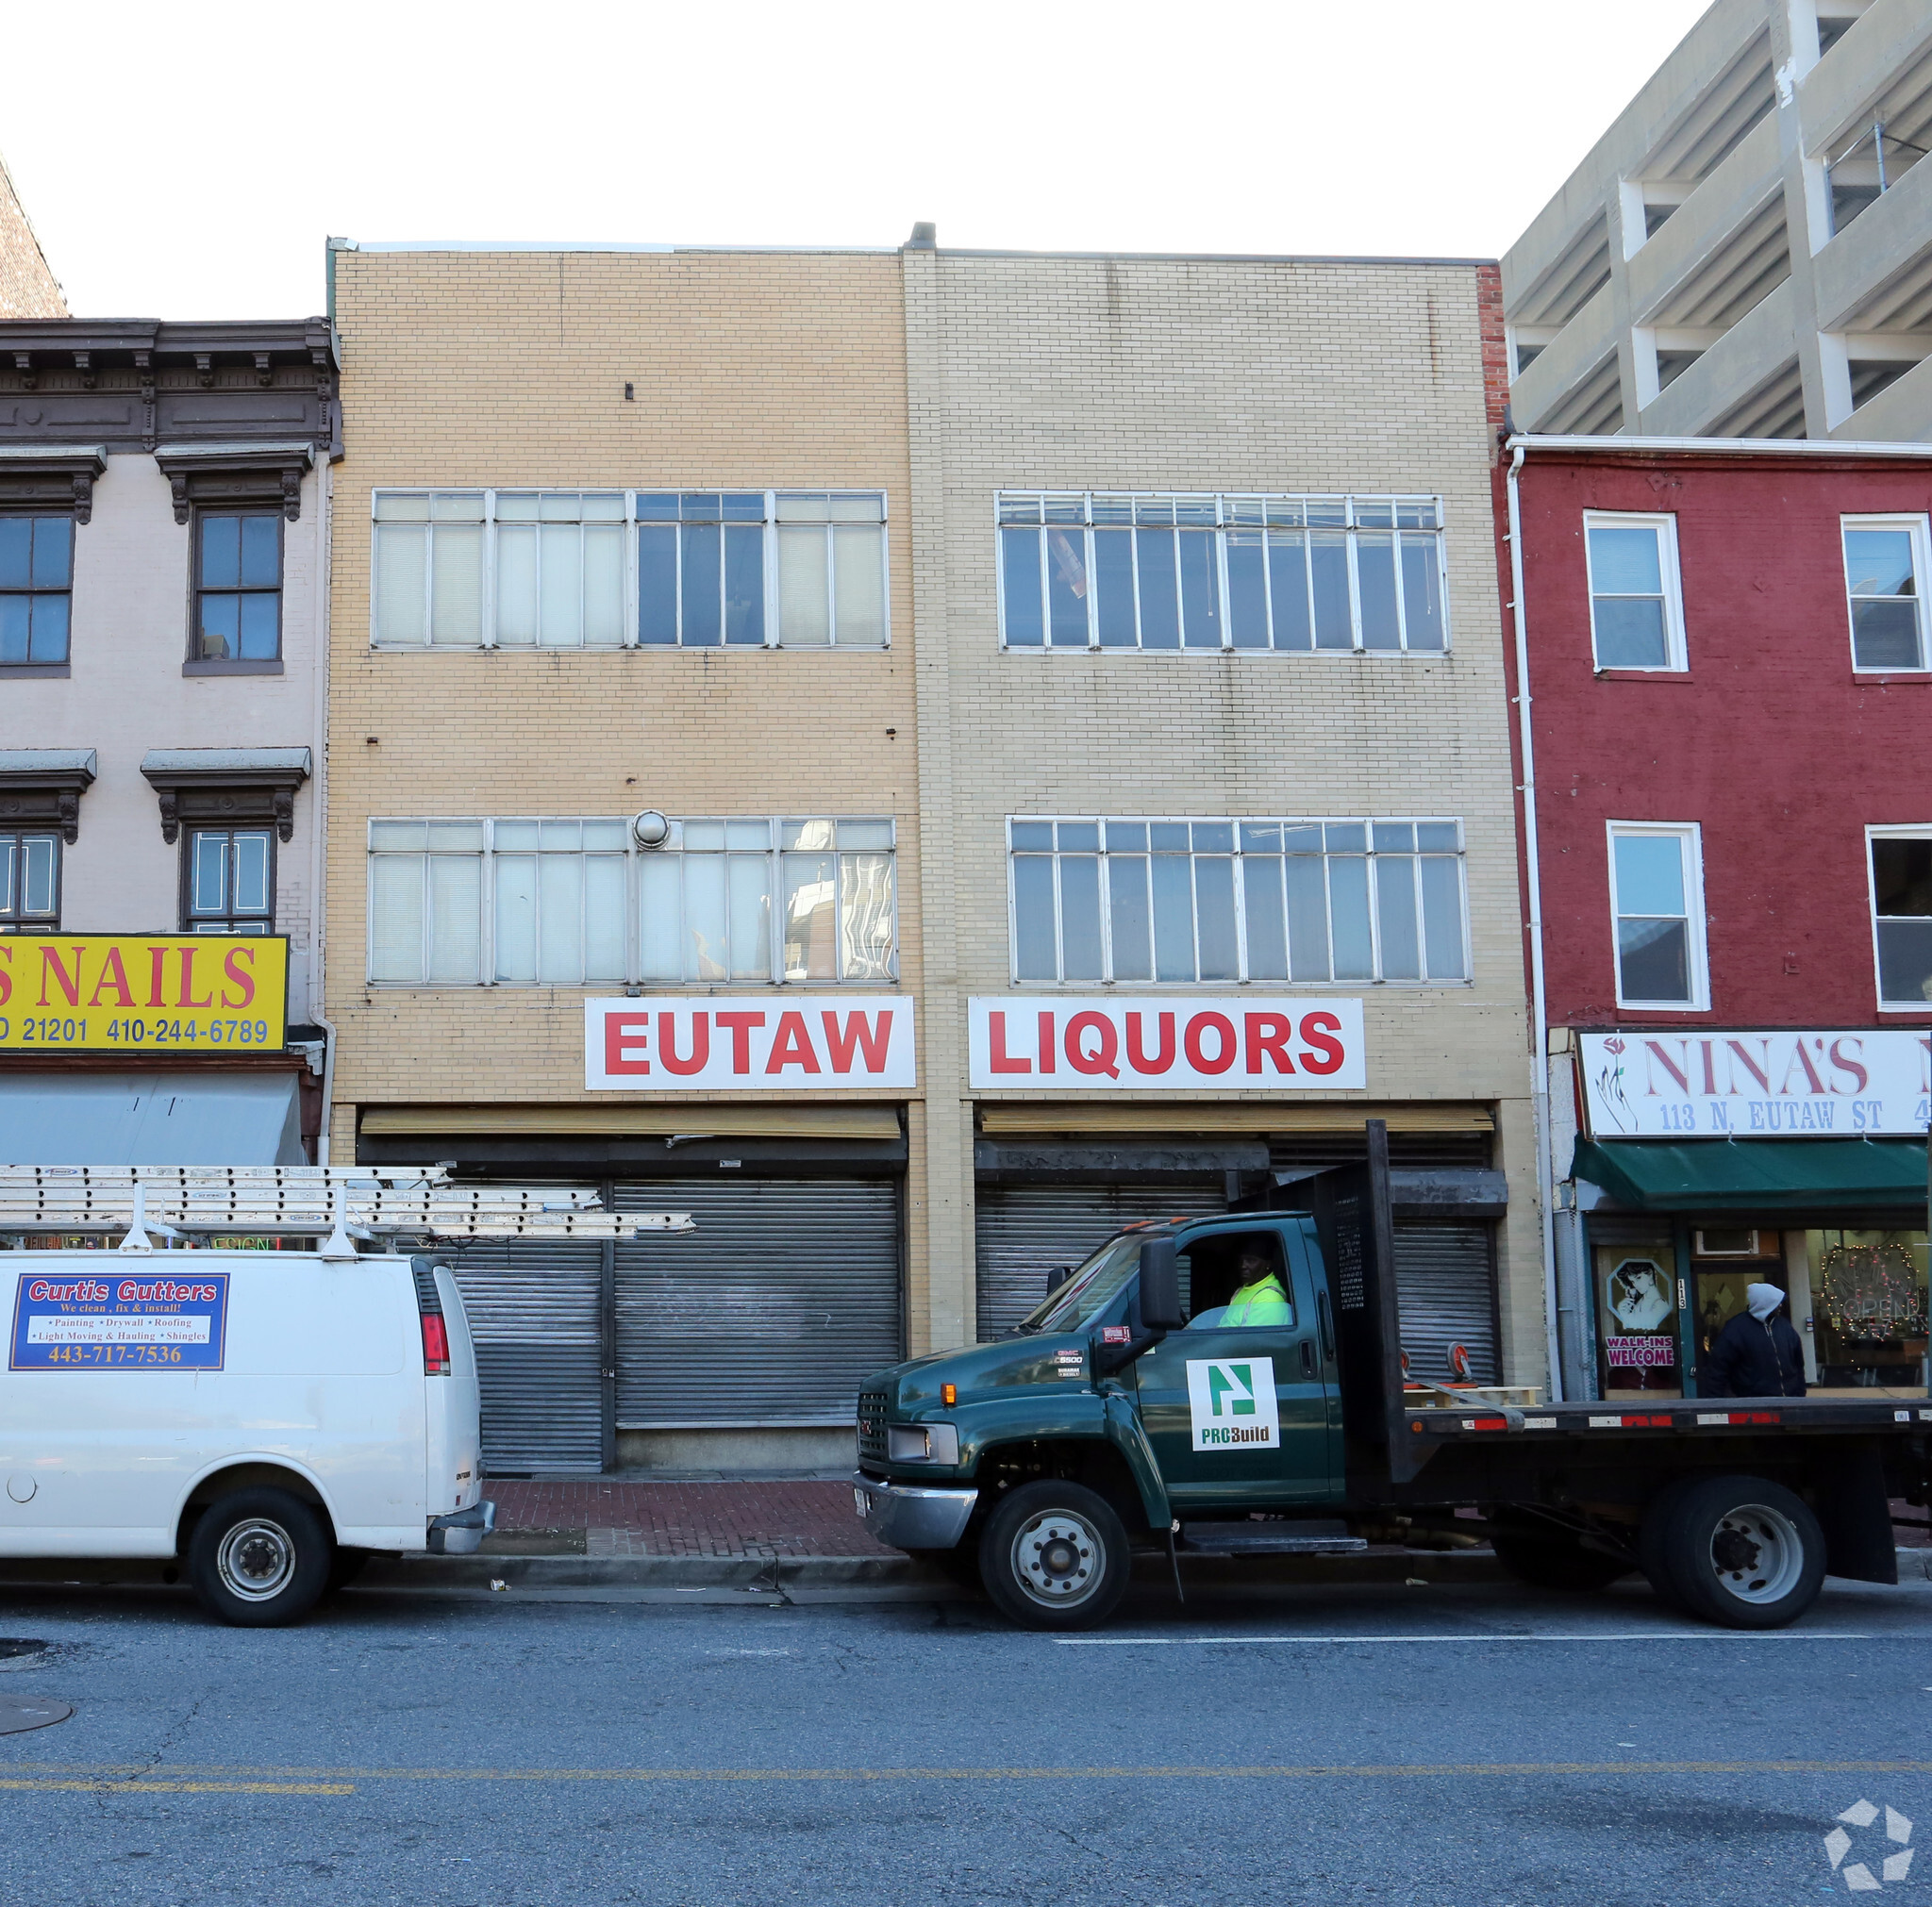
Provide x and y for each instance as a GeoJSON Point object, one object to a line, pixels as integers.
{"type": "Point", "coordinates": [1128, 1406]}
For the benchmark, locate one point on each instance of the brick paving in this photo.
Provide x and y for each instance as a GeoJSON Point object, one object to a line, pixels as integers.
{"type": "Point", "coordinates": [621, 1518]}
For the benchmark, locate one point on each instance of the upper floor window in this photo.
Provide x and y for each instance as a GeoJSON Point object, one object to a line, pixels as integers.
{"type": "Point", "coordinates": [35, 588]}
{"type": "Point", "coordinates": [571, 903]}
{"type": "Point", "coordinates": [1091, 570]}
{"type": "Point", "coordinates": [1237, 900]}
{"type": "Point", "coordinates": [1886, 565]}
{"type": "Point", "coordinates": [615, 568]}
{"type": "Point", "coordinates": [229, 881]}
{"type": "Point", "coordinates": [30, 881]}
{"type": "Point", "coordinates": [1656, 900]}
{"type": "Point", "coordinates": [1636, 601]}
{"type": "Point", "coordinates": [1901, 869]}
{"type": "Point", "coordinates": [238, 586]}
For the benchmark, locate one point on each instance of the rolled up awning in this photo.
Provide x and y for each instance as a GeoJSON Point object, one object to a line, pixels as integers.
{"type": "Point", "coordinates": [1845, 1176]}
{"type": "Point", "coordinates": [150, 1118]}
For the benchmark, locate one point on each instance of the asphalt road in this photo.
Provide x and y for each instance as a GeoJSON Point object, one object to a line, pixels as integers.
{"type": "Point", "coordinates": [1463, 1747]}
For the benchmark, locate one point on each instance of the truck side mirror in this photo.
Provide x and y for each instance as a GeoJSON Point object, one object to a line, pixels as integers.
{"type": "Point", "coordinates": [1056, 1277]}
{"type": "Point", "coordinates": [1160, 1286]}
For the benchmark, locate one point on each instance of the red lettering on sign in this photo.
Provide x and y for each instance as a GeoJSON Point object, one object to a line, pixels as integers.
{"type": "Point", "coordinates": [872, 1041]}
{"type": "Point", "coordinates": [1046, 1047]}
{"type": "Point", "coordinates": [1269, 1033]}
{"type": "Point", "coordinates": [113, 974]}
{"type": "Point", "coordinates": [156, 986]}
{"type": "Point", "coordinates": [1106, 1054]}
{"type": "Point", "coordinates": [6, 975]}
{"type": "Point", "coordinates": [69, 985]}
{"type": "Point", "coordinates": [739, 1026]}
{"type": "Point", "coordinates": [1328, 1055]}
{"type": "Point", "coordinates": [1223, 1029]}
{"type": "Point", "coordinates": [700, 1043]}
{"type": "Point", "coordinates": [1681, 1073]}
{"type": "Point", "coordinates": [1838, 1059]}
{"type": "Point", "coordinates": [1136, 1057]}
{"type": "Point", "coordinates": [998, 1057]}
{"type": "Point", "coordinates": [188, 998]}
{"type": "Point", "coordinates": [792, 1045]}
{"type": "Point", "coordinates": [620, 1034]}
{"type": "Point", "coordinates": [244, 981]}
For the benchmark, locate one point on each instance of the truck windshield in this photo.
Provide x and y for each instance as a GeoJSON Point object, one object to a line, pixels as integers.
{"type": "Point", "coordinates": [1086, 1293]}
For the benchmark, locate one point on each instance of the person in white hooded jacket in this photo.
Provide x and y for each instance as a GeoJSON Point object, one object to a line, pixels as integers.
{"type": "Point", "coordinates": [1757, 1353]}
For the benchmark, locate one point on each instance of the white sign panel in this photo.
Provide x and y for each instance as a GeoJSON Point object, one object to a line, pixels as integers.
{"type": "Point", "coordinates": [1166, 1045]}
{"type": "Point", "coordinates": [1803, 1084]}
{"type": "Point", "coordinates": [810, 1042]}
{"type": "Point", "coordinates": [1231, 1403]}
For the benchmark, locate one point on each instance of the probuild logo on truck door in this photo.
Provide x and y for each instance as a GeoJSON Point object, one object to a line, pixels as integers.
{"type": "Point", "coordinates": [1231, 1402]}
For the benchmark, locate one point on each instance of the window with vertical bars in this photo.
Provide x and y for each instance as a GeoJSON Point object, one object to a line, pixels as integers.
{"type": "Point", "coordinates": [1097, 570]}
{"type": "Point", "coordinates": [567, 902]}
{"type": "Point", "coordinates": [30, 881]}
{"type": "Point", "coordinates": [230, 877]}
{"type": "Point", "coordinates": [1357, 900]}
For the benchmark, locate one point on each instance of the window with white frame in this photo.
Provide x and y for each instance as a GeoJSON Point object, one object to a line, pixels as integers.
{"type": "Point", "coordinates": [1316, 901]}
{"type": "Point", "coordinates": [1901, 871]}
{"type": "Point", "coordinates": [575, 902]}
{"type": "Point", "coordinates": [1095, 570]}
{"type": "Point", "coordinates": [619, 568]}
{"type": "Point", "coordinates": [1636, 598]}
{"type": "Point", "coordinates": [1886, 566]}
{"type": "Point", "coordinates": [1657, 906]}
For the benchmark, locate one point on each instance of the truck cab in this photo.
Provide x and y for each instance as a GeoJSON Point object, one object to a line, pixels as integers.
{"type": "Point", "coordinates": [1188, 1369]}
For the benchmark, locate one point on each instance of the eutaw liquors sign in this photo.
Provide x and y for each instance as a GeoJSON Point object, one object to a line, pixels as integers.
{"type": "Point", "coordinates": [1794, 1083]}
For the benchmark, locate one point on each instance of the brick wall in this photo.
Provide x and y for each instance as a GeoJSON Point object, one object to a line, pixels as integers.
{"type": "Point", "coordinates": [27, 288]}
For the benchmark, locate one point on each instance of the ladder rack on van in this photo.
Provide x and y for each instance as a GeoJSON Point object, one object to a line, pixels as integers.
{"type": "Point", "coordinates": [379, 1203]}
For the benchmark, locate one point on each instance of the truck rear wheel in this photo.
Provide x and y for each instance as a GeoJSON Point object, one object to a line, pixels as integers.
{"type": "Point", "coordinates": [1054, 1555]}
{"type": "Point", "coordinates": [1746, 1553]}
{"type": "Point", "coordinates": [259, 1558]}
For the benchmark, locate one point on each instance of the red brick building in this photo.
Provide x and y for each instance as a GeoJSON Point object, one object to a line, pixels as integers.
{"type": "Point", "coordinates": [1726, 756]}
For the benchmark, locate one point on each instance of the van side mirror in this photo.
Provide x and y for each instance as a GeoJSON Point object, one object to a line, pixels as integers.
{"type": "Point", "coordinates": [1160, 1286]}
{"type": "Point", "coordinates": [1056, 1277]}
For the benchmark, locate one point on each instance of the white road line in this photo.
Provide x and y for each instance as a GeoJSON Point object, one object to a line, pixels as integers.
{"type": "Point", "coordinates": [1580, 1636]}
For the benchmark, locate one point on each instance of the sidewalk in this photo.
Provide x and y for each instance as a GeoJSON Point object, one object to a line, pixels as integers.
{"type": "Point", "coordinates": [613, 1518]}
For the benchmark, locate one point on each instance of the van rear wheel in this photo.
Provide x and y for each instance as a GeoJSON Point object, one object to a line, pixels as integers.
{"type": "Point", "coordinates": [259, 1558]}
{"type": "Point", "coordinates": [1054, 1555]}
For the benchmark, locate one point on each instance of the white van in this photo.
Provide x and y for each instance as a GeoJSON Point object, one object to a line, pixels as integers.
{"type": "Point", "coordinates": [272, 1418]}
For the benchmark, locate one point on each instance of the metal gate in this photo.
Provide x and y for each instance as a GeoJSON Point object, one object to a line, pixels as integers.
{"type": "Point", "coordinates": [1445, 1284]}
{"type": "Point", "coordinates": [1022, 1233]}
{"type": "Point", "coordinates": [533, 1311]}
{"type": "Point", "coordinates": [785, 1299]}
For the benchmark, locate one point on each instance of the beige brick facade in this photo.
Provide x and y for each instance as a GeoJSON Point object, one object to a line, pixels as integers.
{"type": "Point", "coordinates": [28, 286]}
{"type": "Point", "coordinates": [1216, 376]}
{"type": "Point", "coordinates": [938, 378]}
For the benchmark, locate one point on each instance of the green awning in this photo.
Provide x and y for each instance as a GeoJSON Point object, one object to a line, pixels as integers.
{"type": "Point", "coordinates": [1756, 1175]}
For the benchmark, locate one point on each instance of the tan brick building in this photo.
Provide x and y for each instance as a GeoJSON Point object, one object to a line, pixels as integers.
{"type": "Point", "coordinates": [28, 286]}
{"type": "Point", "coordinates": [682, 665]}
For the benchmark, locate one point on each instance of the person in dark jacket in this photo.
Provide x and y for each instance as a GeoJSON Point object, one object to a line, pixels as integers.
{"type": "Point", "coordinates": [1757, 1353]}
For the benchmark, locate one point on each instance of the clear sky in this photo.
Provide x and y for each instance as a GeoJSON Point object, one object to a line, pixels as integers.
{"type": "Point", "coordinates": [188, 162]}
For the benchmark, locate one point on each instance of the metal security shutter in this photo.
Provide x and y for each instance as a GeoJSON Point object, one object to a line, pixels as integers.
{"type": "Point", "coordinates": [784, 1300]}
{"type": "Point", "coordinates": [1446, 1287]}
{"type": "Point", "coordinates": [1441, 1152]}
{"type": "Point", "coordinates": [1022, 1231]}
{"type": "Point", "coordinates": [533, 1317]}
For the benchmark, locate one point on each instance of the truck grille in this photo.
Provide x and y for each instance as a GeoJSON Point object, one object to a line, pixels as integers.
{"type": "Point", "coordinates": [871, 1426]}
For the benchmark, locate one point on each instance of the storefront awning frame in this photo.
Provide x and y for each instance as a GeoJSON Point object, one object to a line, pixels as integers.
{"type": "Point", "coordinates": [1768, 1177]}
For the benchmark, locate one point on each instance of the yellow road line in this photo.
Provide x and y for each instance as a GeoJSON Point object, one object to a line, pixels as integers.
{"type": "Point", "coordinates": [341, 1781]}
{"type": "Point", "coordinates": [108, 1785]}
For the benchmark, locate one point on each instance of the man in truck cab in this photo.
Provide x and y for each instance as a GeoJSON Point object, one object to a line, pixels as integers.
{"type": "Point", "coordinates": [1259, 1298]}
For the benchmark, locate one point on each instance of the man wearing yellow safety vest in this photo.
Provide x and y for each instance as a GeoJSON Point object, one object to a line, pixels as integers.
{"type": "Point", "coordinates": [1260, 1299]}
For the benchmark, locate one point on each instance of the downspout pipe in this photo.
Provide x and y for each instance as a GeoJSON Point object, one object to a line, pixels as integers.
{"type": "Point", "coordinates": [318, 880]}
{"type": "Point", "coordinates": [1539, 1000]}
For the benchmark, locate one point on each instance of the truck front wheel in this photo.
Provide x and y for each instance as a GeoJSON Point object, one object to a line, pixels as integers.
{"type": "Point", "coordinates": [1745, 1552]}
{"type": "Point", "coordinates": [1054, 1555]}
